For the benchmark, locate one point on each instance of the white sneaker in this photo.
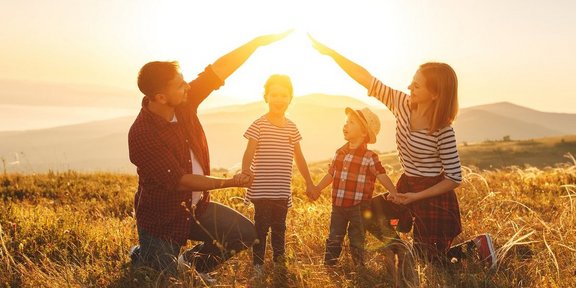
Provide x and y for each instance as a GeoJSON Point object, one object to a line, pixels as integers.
{"type": "Point", "coordinates": [135, 254]}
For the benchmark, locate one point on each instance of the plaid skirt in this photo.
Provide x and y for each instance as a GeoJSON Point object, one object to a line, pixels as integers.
{"type": "Point", "coordinates": [436, 219]}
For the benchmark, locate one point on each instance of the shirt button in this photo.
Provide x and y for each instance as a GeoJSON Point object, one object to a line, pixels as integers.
{"type": "Point", "coordinates": [188, 219]}
{"type": "Point", "coordinates": [169, 171]}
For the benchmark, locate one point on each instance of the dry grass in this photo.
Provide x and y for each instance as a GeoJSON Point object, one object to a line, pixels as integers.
{"type": "Point", "coordinates": [75, 230]}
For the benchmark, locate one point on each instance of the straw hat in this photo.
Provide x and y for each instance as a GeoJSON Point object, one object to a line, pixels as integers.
{"type": "Point", "coordinates": [369, 120]}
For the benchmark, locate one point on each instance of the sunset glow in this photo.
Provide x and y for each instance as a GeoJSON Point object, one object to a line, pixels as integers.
{"type": "Point", "coordinates": [498, 50]}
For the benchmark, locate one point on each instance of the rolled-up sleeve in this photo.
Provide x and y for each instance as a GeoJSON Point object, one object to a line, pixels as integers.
{"type": "Point", "coordinates": [202, 86]}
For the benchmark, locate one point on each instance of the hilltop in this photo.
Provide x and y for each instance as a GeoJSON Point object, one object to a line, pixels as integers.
{"type": "Point", "coordinates": [102, 145]}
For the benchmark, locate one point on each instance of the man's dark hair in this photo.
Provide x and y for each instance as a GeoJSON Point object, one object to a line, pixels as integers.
{"type": "Point", "coordinates": [154, 76]}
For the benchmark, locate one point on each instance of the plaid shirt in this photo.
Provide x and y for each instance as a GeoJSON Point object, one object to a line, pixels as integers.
{"type": "Point", "coordinates": [354, 173]}
{"type": "Point", "coordinates": [161, 152]}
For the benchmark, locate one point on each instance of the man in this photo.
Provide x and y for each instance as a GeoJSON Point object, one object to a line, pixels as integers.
{"type": "Point", "coordinates": [168, 146]}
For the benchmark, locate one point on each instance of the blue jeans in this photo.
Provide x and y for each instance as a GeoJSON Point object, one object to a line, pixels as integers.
{"type": "Point", "coordinates": [223, 231]}
{"type": "Point", "coordinates": [270, 215]}
{"type": "Point", "coordinates": [346, 220]}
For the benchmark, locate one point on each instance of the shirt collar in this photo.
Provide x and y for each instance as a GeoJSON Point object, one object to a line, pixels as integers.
{"type": "Point", "coordinates": [346, 149]}
{"type": "Point", "coordinates": [156, 119]}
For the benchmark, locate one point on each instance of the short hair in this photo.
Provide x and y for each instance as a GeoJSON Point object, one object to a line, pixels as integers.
{"type": "Point", "coordinates": [154, 76]}
{"type": "Point", "coordinates": [278, 79]}
{"type": "Point", "coordinates": [441, 79]}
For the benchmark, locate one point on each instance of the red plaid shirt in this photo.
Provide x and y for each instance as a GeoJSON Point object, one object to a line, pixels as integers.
{"type": "Point", "coordinates": [161, 152]}
{"type": "Point", "coordinates": [354, 173]}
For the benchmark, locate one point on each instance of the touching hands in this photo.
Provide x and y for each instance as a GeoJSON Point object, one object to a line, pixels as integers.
{"type": "Point", "coordinates": [404, 198]}
{"type": "Point", "coordinates": [313, 192]}
{"type": "Point", "coordinates": [243, 179]}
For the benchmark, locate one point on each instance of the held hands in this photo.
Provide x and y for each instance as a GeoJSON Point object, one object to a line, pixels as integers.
{"type": "Point", "coordinates": [312, 192]}
{"type": "Point", "coordinates": [404, 198]}
{"type": "Point", "coordinates": [243, 179]}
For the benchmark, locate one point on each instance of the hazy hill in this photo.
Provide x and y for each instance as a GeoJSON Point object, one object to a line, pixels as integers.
{"type": "Point", "coordinates": [493, 121]}
{"type": "Point", "coordinates": [21, 92]}
{"type": "Point", "coordinates": [102, 145]}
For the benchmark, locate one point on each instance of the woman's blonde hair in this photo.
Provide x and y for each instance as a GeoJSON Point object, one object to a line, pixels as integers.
{"type": "Point", "coordinates": [442, 81]}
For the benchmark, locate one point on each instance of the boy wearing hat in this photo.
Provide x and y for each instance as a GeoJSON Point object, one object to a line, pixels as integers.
{"type": "Point", "coordinates": [352, 173]}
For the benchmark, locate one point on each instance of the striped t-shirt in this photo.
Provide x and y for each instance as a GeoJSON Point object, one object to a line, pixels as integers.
{"type": "Point", "coordinates": [421, 154]}
{"type": "Point", "coordinates": [273, 158]}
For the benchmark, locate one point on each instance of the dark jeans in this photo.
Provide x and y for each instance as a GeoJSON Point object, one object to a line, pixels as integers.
{"type": "Point", "coordinates": [223, 231]}
{"type": "Point", "coordinates": [269, 215]}
{"type": "Point", "coordinates": [346, 220]}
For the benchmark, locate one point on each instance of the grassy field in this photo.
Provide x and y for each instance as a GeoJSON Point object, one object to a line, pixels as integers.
{"type": "Point", "coordinates": [75, 230]}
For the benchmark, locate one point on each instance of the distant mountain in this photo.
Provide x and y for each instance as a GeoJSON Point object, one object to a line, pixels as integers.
{"type": "Point", "coordinates": [103, 145]}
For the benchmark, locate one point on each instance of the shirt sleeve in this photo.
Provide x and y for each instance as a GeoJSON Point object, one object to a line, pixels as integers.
{"type": "Point", "coordinates": [154, 161]}
{"type": "Point", "coordinates": [202, 86]}
{"type": "Point", "coordinates": [332, 167]}
{"type": "Point", "coordinates": [253, 131]}
{"type": "Point", "coordinates": [376, 167]}
{"type": "Point", "coordinates": [395, 100]}
{"type": "Point", "coordinates": [296, 137]}
{"type": "Point", "coordinates": [448, 152]}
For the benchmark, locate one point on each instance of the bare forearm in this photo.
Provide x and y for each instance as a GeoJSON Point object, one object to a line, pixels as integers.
{"type": "Point", "coordinates": [192, 182]}
{"type": "Point", "coordinates": [387, 183]}
{"type": "Point", "coordinates": [438, 189]}
{"type": "Point", "coordinates": [247, 161]}
{"type": "Point", "coordinates": [227, 64]}
{"type": "Point", "coordinates": [327, 180]}
{"type": "Point", "coordinates": [357, 72]}
{"type": "Point", "coordinates": [303, 168]}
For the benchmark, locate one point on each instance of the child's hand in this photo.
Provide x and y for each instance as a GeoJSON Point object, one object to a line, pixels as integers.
{"type": "Point", "coordinates": [311, 191]}
{"type": "Point", "coordinates": [404, 198]}
{"type": "Point", "coordinates": [246, 178]}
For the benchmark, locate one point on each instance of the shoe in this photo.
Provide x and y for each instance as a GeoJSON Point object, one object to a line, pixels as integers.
{"type": "Point", "coordinates": [485, 247]}
{"type": "Point", "coordinates": [206, 278]}
{"type": "Point", "coordinates": [135, 254]}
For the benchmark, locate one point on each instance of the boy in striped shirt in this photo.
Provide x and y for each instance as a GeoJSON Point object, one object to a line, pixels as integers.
{"type": "Point", "coordinates": [273, 144]}
{"type": "Point", "coordinates": [353, 173]}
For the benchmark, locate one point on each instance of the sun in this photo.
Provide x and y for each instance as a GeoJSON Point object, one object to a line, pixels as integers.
{"type": "Point", "coordinates": [198, 39]}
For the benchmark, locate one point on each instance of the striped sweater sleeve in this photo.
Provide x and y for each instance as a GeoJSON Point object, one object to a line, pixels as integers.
{"type": "Point", "coordinates": [449, 154]}
{"type": "Point", "coordinates": [393, 99]}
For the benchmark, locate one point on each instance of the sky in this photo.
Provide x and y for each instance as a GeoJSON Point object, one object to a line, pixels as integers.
{"type": "Point", "coordinates": [520, 51]}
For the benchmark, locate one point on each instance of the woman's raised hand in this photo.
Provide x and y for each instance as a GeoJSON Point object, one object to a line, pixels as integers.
{"type": "Point", "coordinates": [323, 49]}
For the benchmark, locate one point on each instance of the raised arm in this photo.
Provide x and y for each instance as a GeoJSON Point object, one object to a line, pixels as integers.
{"type": "Point", "coordinates": [357, 72]}
{"type": "Point", "coordinates": [227, 64]}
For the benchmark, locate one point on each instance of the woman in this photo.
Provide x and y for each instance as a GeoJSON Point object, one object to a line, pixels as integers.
{"type": "Point", "coordinates": [427, 149]}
